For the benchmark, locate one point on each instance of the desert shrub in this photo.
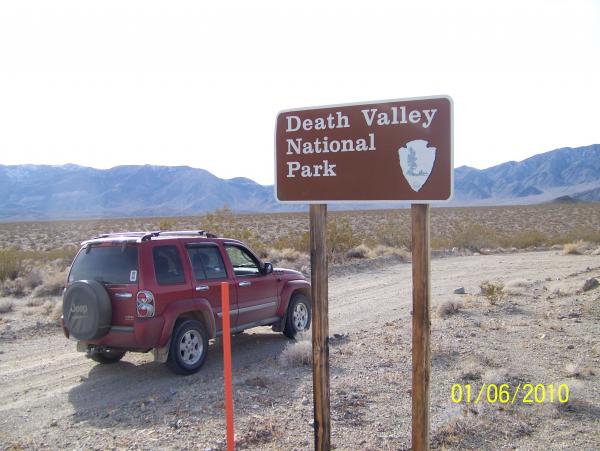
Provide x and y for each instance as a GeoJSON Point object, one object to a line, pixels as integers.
{"type": "Point", "coordinates": [493, 291]}
{"type": "Point", "coordinates": [56, 311]}
{"type": "Point", "coordinates": [224, 223]}
{"type": "Point", "coordinates": [297, 241]}
{"type": "Point", "coordinates": [51, 309]}
{"type": "Point", "coordinates": [14, 287]}
{"type": "Point", "coordinates": [52, 286]}
{"type": "Point", "coordinates": [260, 432]}
{"type": "Point", "coordinates": [221, 222]}
{"type": "Point", "coordinates": [578, 396]}
{"type": "Point", "coordinates": [518, 283]}
{"type": "Point", "coordinates": [448, 308]}
{"type": "Point", "coordinates": [297, 353]}
{"type": "Point", "coordinates": [6, 305]}
{"type": "Point", "coordinates": [525, 239]}
{"type": "Point", "coordinates": [340, 237]}
{"type": "Point", "coordinates": [60, 253]}
{"type": "Point", "coordinates": [34, 302]}
{"type": "Point", "coordinates": [572, 248]}
{"type": "Point", "coordinates": [456, 430]}
{"type": "Point", "coordinates": [34, 278]}
{"type": "Point", "coordinates": [360, 251]}
{"type": "Point", "coordinates": [517, 287]}
{"type": "Point", "coordinates": [385, 251]}
{"type": "Point", "coordinates": [11, 264]}
{"type": "Point", "coordinates": [66, 254]}
{"type": "Point", "coordinates": [391, 234]}
{"type": "Point", "coordinates": [46, 308]}
{"type": "Point", "coordinates": [577, 370]}
{"type": "Point", "coordinates": [18, 287]}
{"type": "Point", "coordinates": [437, 242]}
{"type": "Point", "coordinates": [474, 237]}
{"type": "Point", "coordinates": [286, 254]}
{"type": "Point", "coordinates": [289, 258]}
{"type": "Point", "coordinates": [167, 224]}
{"type": "Point", "coordinates": [471, 370]}
{"type": "Point", "coordinates": [580, 233]}
{"type": "Point", "coordinates": [380, 250]}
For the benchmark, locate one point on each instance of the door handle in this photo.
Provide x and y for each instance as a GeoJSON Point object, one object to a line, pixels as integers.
{"type": "Point", "coordinates": [202, 288]}
{"type": "Point", "coordinates": [245, 283]}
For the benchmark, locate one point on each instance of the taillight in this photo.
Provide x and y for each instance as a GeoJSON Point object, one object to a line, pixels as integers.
{"type": "Point", "coordinates": [145, 304]}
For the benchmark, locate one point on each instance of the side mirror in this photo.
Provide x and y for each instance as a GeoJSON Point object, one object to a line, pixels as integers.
{"type": "Point", "coordinates": [267, 268]}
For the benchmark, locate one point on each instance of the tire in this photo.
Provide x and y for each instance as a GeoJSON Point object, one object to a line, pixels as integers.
{"type": "Point", "coordinates": [87, 310]}
{"type": "Point", "coordinates": [189, 345]}
{"type": "Point", "coordinates": [107, 356]}
{"type": "Point", "coordinates": [298, 316]}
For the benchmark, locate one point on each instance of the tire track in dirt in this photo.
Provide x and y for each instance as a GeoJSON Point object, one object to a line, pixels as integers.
{"type": "Point", "coordinates": [44, 378]}
{"type": "Point", "coordinates": [359, 299]}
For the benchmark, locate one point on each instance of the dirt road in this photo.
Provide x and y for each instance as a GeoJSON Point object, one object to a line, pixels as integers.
{"type": "Point", "coordinates": [373, 295]}
{"type": "Point", "coordinates": [51, 396]}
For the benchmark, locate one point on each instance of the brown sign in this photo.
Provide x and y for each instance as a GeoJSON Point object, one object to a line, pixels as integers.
{"type": "Point", "coordinates": [389, 150]}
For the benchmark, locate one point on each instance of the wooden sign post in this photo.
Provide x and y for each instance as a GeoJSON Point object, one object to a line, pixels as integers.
{"type": "Point", "coordinates": [421, 353]}
{"type": "Point", "coordinates": [320, 327]}
{"type": "Point", "coordinates": [369, 152]}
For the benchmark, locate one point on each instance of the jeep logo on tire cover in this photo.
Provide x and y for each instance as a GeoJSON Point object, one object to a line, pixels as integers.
{"type": "Point", "coordinates": [79, 309]}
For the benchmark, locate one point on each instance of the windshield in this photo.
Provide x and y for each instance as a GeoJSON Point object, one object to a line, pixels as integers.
{"type": "Point", "coordinates": [106, 264]}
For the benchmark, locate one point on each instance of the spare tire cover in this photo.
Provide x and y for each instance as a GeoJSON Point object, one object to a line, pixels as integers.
{"type": "Point", "coordinates": [87, 310]}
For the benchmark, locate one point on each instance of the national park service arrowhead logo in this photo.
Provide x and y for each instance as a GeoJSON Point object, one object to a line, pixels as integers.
{"type": "Point", "coordinates": [416, 161]}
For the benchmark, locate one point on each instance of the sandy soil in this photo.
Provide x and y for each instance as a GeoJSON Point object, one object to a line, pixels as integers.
{"type": "Point", "coordinates": [545, 331]}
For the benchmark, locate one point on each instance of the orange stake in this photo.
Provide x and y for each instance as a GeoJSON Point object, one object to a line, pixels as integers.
{"type": "Point", "coordinates": [227, 364]}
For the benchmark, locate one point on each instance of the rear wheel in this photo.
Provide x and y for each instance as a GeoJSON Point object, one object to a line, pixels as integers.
{"type": "Point", "coordinates": [298, 316]}
{"type": "Point", "coordinates": [106, 356]}
{"type": "Point", "coordinates": [189, 344]}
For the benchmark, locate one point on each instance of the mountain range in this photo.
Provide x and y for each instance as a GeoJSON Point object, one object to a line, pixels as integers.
{"type": "Point", "coordinates": [37, 192]}
{"type": "Point", "coordinates": [572, 172]}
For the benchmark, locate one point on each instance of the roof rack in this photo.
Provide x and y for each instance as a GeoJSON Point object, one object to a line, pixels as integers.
{"type": "Point", "coordinates": [186, 233]}
{"type": "Point", "coordinates": [149, 235]}
{"type": "Point", "coordinates": [121, 237]}
{"type": "Point", "coordinates": [146, 236]}
{"type": "Point", "coordinates": [122, 234]}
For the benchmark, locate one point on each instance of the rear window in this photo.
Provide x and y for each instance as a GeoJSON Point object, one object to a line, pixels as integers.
{"type": "Point", "coordinates": [106, 264]}
{"type": "Point", "coordinates": [207, 262]}
{"type": "Point", "coordinates": [167, 265]}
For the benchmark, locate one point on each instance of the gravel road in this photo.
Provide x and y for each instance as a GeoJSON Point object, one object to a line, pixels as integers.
{"type": "Point", "coordinates": [372, 295]}
{"type": "Point", "coordinates": [51, 396]}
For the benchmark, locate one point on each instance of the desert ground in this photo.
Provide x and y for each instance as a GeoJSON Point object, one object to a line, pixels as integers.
{"type": "Point", "coordinates": [536, 321]}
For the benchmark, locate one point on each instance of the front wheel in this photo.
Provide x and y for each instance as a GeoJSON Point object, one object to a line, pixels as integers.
{"type": "Point", "coordinates": [298, 316]}
{"type": "Point", "coordinates": [189, 344]}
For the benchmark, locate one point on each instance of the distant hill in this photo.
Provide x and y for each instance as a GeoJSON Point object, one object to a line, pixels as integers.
{"type": "Point", "coordinates": [573, 172]}
{"type": "Point", "coordinates": [70, 191]}
{"type": "Point", "coordinates": [565, 200]}
{"type": "Point", "coordinates": [34, 192]}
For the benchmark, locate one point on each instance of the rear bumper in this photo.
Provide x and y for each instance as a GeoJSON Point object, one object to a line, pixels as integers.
{"type": "Point", "coordinates": [143, 335]}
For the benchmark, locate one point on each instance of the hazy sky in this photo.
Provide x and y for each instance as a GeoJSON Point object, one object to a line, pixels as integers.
{"type": "Point", "coordinates": [197, 83]}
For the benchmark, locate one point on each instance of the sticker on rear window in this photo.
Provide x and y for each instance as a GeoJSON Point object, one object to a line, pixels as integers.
{"type": "Point", "coordinates": [133, 276]}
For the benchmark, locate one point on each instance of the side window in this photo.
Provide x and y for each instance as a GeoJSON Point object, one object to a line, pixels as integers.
{"type": "Point", "coordinates": [206, 262]}
{"type": "Point", "coordinates": [167, 265]}
{"type": "Point", "coordinates": [242, 261]}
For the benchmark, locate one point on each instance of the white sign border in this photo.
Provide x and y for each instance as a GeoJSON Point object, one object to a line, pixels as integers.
{"type": "Point", "coordinates": [369, 102]}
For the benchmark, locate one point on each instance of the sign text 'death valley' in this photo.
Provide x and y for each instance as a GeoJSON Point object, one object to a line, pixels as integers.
{"type": "Point", "coordinates": [390, 150]}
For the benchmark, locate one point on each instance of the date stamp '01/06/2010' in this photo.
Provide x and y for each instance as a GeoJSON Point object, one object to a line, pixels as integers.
{"type": "Point", "coordinates": [507, 394]}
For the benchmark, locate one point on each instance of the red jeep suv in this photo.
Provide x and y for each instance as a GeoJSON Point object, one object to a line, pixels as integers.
{"type": "Point", "coordinates": [160, 291]}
